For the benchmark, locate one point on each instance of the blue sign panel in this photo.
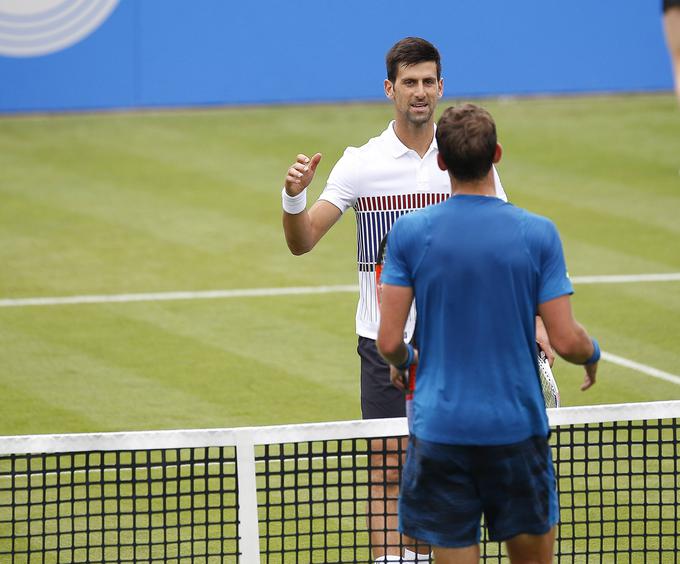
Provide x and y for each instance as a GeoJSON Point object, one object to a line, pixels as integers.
{"type": "Point", "coordinates": [84, 54]}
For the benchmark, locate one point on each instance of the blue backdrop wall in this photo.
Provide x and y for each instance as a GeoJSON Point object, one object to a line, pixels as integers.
{"type": "Point", "coordinates": [184, 53]}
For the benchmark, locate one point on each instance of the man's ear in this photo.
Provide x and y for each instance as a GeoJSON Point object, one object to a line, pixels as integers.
{"type": "Point", "coordinates": [498, 153]}
{"type": "Point", "coordinates": [440, 162]}
{"type": "Point", "coordinates": [389, 89]}
{"type": "Point", "coordinates": [441, 87]}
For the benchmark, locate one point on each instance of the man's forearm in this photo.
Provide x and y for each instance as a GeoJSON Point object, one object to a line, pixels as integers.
{"type": "Point", "coordinates": [396, 303]}
{"type": "Point", "coordinates": [304, 229]}
{"type": "Point", "coordinates": [297, 229]}
{"type": "Point", "coordinates": [578, 348]}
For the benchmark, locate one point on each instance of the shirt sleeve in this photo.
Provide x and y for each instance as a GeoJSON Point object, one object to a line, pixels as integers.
{"type": "Point", "coordinates": [341, 188]}
{"type": "Point", "coordinates": [554, 278]}
{"type": "Point", "coordinates": [396, 270]}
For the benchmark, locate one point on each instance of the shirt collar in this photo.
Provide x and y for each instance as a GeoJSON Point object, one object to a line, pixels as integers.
{"type": "Point", "coordinates": [398, 149]}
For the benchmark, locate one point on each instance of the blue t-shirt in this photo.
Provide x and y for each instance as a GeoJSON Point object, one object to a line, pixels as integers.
{"type": "Point", "coordinates": [479, 267]}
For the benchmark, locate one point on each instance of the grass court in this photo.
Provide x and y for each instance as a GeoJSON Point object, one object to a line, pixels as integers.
{"type": "Point", "coordinates": [153, 202]}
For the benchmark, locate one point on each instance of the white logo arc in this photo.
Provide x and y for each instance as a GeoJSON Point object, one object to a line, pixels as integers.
{"type": "Point", "coordinates": [39, 27]}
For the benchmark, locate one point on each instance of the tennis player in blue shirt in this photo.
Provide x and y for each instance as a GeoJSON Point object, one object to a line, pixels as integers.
{"type": "Point", "coordinates": [480, 270]}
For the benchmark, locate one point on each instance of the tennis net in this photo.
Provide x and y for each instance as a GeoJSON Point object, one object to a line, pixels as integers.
{"type": "Point", "coordinates": [300, 493]}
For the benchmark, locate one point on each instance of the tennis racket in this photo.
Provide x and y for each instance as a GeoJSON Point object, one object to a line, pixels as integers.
{"type": "Point", "coordinates": [379, 262]}
{"type": "Point", "coordinates": [551, 393]}
{"type": "Point", "coordinates": [410, 376]}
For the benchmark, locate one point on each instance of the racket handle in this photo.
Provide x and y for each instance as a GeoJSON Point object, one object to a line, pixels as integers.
{"type": "Point", "coordinates": [411, 383]}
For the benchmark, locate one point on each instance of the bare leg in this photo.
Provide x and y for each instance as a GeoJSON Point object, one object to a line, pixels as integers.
{"type": "Point", "coordinates": [671, 23]}
{"type": "Point", "coordinates": [532, 549]}
{"type": "Point", "coordinates": [466, 555]}
{"type": "Point", "coordinates": [386, 459]}
{"type": "Point", "coordinates": [384, 462]}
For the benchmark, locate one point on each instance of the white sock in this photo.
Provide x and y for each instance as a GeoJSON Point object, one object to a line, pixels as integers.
{"type": "Point", "coordinates": [388, 558]}
{"type": "Point", "coordinates": [413, 557]}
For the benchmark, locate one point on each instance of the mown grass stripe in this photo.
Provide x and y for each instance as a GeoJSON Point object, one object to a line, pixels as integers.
{"type": "Point", "coordinates": [289, 291]}
{"type": "Point", "coordinates": [649, 370]}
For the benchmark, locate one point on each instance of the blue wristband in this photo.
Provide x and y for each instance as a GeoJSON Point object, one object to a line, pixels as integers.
{"type": "Point", "coordinates": [410, 357]}
{"type": "Point", "coordinates": [596, 353]}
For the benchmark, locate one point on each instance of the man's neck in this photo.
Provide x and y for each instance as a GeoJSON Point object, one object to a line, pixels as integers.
{"type": "Point", "coordinates": [415, 137]}
{"type": "Point", "coordinates": [484, 187]}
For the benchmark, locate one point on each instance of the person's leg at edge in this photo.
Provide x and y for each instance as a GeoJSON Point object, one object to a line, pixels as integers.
{"type": "Point", "coordinates": [671, 22]}
{"type": "Point", "coordinates": [532, 549]}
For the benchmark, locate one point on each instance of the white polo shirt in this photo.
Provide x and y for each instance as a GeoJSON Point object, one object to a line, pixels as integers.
{"type": "Point", "coordinates": [383, 180]}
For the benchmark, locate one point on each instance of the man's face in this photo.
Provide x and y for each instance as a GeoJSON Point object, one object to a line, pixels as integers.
{"type": "Point", "coordinates": [415, 92]}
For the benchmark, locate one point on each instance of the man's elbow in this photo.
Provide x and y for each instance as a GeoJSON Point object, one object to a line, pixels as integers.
{"type": "Point", "coordinates": [296, 248]}
{"type": "Point", "coordinates": [297, 251]}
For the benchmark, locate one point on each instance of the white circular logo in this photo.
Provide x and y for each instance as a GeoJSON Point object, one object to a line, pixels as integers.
{"type": "Point", "coordinates": [36, 27]}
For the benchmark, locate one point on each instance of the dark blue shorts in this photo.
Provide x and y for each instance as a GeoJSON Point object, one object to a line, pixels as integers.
{"type": "Point", "coordinates": [445, 489]}
{"type": "Point", "coordinates": [379, 397]}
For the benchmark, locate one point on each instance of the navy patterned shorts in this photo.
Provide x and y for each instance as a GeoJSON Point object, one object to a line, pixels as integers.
{"type": "Point", "coordinates": [445, 489]}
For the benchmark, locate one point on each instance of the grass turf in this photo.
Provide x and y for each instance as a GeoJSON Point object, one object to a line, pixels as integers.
{"type": "Point", "coordinates": [166, 201]}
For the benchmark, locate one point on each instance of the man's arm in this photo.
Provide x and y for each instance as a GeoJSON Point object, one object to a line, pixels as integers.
{"type": "Point", "coordinates": [304, 229]}
{"type": "Point", "coordinates": [568, 337]}
{"type": "Point", "coordinates": [395, 305]}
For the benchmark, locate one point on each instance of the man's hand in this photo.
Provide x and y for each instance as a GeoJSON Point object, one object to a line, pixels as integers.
{"type": "Point", "coordinates": [589, 380]}
{"type": "Point", "coordinates": [547, 349]}
{"type": "Point", "coordinates": [301, 174]}
{"type": "Point", "coordinates": [399, 378]}
{"type": "Point", "coordinates": [544, 342]}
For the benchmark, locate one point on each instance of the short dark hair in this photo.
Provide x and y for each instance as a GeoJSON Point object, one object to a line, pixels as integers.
{"type": "Point", "coordinates": [411, 51]}
{"type": "Point", "coordinates": [466, 138]}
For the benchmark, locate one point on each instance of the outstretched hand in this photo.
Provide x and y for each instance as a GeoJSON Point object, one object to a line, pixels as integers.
{"type": "Point", "coordinates": [301, 173]}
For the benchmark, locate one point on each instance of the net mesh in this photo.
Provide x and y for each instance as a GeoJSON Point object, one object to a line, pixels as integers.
{"type": "Point", "coordinates": [313, 497]}
{"type": "Point", "coordinates": [120, 506]}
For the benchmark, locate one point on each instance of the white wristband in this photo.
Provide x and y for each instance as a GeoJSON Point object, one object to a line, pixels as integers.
{"type": "Point", "coordinates": [294, 204]}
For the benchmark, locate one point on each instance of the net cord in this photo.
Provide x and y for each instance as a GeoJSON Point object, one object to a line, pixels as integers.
{"type": "Point", "coordinates": [246, 439]}
{"type": "Point", "coordinates": [373, 428]}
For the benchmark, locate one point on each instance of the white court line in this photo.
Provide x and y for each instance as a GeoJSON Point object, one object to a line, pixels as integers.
{"type": "Point", "coordinates": [304, 290]}
{"type": "Point", "coordinates": [293, 290]}
{"type": "Point", "coordinates": [624, 278]}
{"type": "Point", "coordinates": [170, 296]}
{"type": "Point", "coordinates": [649, 370]}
